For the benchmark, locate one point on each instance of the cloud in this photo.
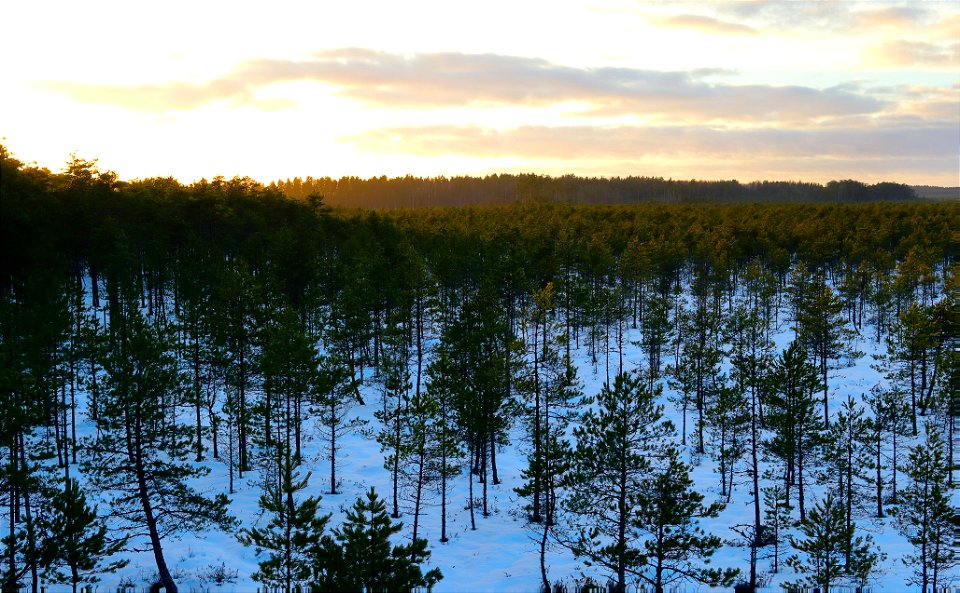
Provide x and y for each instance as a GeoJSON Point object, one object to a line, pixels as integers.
{"type": "Point", "coordinates": [780, 15]}
{"type": "Point", "coordinates": [918, 141]}
{"type": "Point", "coordinates": [706, 24]}
{"type": "Point", "coordinates": [834, 16]}
{"type": "Point", "coordinates": [451, 79]}
{"type": "Point", "coordinates": [904, 53]}
{"type": "Point", "coordinates": [170, 96]}
{"type": "Point", "coordinates": [891, 16]}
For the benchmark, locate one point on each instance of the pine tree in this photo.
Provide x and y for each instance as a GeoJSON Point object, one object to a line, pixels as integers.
{"type": "Point", "coordinates": [616, 446]}
{"type": "Point", "coordinates": [335, 395]}
{"type": "Point", "coordinates": [78, 542]}
{"type": "Point", "coordinates": [848, 461]}
{"type": "Point", "coordinates": [674, 547]}
{"type": "Point", "coordinates": [751, 356]}
{"type": "Point", "coordinates": [552, 391]}
{"type": "Point", "coordinates": [443, 383]}
{"type": "Point", "coordinates": [890, 420]}
{"type": "Point", "coordinates": [696, 371]}
{"type": "Point", "coordinates": [729, 425]}
{"type": "Point", "coordinates": [926, 517]}
{"type": "Point", "coordinates": [238, 297]}
{"type": "Point", "coordinates": [421, 466]}
{"type": "Point", "coordinates": [656, 331]}
{"type": "Point", "coordinates": [480, 341]}
{"type": "Point", "coordinates": [293, 534]}
{"type": "Point", "coordinates": [33, 323]}
{"type": "Point", "coordinates": [826, 540]}
{"type": "Point", "coordinates": [360, 556]}
{"type": "Point", "coordinates": [822, 330]}
{"type": "Point", "coordinates": [777, 514]}
{"type": "Point", "coordinates": [137, 456]}
{"type": "Point", "coordinates": [760, 286]}
{"type": "Point", "coordinates": [395, 382]}
{"type": "Point", "coordinates": [288, 361]}
{"type": "Point", "coordinates": [793, 419]}
{"type": "Point", "coordinates": [913, 346]}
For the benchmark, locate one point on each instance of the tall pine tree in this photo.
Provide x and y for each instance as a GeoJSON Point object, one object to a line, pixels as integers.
{"type": "Point", "coordinates": [137, 457]}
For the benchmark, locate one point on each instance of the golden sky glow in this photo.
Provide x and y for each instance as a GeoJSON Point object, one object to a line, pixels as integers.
{"type": "Point", "coordinates": [734, 90]}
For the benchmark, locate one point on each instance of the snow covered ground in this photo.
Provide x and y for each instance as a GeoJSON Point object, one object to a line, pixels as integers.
{"type": "Point", "coordinates": [501, 554]}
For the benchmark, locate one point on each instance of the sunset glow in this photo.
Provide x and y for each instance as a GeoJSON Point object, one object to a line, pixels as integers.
{"type": "Point", "coordinates": [808, 91]}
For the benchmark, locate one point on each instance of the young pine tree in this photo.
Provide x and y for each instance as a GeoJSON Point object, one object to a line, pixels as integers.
{"type": "Point", "coordinates": [729, 422]}
{"type": "Point", "coordinates": [361, 557]}
{"type": "Point", "coordinates": [777, 514]}
{"type": "Point", "coordinates": [848, 460]}
{"type": "Point", "coordinates": [890, 422]}
{"type": "Point", "coordinates": [79, 544]}
{"type": "Point", "coordinates": [395, 382]}
{"type": "Point", "coordinates": [336, 392]}
{"type": "Point", "coordinates": [293, 534]}
{"type": "Point", "coordinates": [674, 547]}
{"type": "Point", "coordinates": [821, 329]}
{"type": "Point", "coordinates": [825, 542]}
{"type": "Point", "coordinates": [607, 482]}
{"type": "Point", "coordinates": [793, 418]}
{"type": "Point", "coordinates": [926, 517]}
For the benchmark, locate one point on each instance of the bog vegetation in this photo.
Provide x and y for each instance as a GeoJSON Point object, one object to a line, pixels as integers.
{"type": "Point", "coordinates": [215, 320]}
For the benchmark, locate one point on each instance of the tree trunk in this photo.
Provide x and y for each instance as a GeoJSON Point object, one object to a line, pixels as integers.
{"type": "Point", "coordinates": [473, 520]}
{"type": "Point", "coordinates": [196, 388]}
{"type": "Point", "coordinates": [418, 494]}
{"type": "Point", "coordinates": [165, 578]}
{"type": "Point", "coordinates": [333, 446]}
{"type": "Point", "coordinates": [537, 440]}
{"type": "Point", "coordinates": [443, 497]}
{"type": "Point", "coordinates": [879, 480]}
{"type": "Point", "coordinates": [396, 459]}
{"type": "Point", "coordinates": [483, 474]}
{"type": "Point", "coordinates": [756, 485]}
{"type": "Point", "coordinates": [543, 558]}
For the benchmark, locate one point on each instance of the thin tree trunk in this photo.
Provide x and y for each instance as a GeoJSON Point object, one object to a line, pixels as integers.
{"type": "Point", "coordinates": [473, 520]}
{"type": "Point", "coordinates": [333, 447]}
{"type": "Point", "coordinates": [165, 578]}
{"type": "Point", "coordinates": [879, 480]}
{"type": "Point", "coordinates": [543, 557]}
{"type": "Point", "coordinates": [443, 496]}
{"type": "Point", "coordinates": [418, 494]}
{"type": "Point", "coordinates": [28, 515]}
{"type": "Point", "coordinates": [196, 388]}
{"type": "Point", "coordinates": [756, 483]}
{"type": "Point", "coordinates": [396, 459]}
{"type": "Point", "coordinates": [483, 473]}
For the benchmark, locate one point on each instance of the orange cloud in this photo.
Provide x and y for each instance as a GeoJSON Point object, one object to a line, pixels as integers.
{"type": "Point", "coordinates": [904, 53]}
{"type": "Point", "coordinates": [894, 16]}
{"type": "Point", "coordinates": [706, 24]}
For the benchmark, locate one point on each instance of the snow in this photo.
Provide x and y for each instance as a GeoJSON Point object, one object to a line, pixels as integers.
{"type": "Point", "coordinates": [501, 555]}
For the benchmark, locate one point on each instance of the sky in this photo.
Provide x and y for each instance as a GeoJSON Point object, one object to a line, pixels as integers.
{"type": "Point", "coordinates": [747, 90]}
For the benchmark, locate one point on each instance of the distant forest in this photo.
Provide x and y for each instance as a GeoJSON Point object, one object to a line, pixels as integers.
{"type": "Point", "coordinates": [420, 192]}
{"type": "Point", "coordinates": [932, 192]}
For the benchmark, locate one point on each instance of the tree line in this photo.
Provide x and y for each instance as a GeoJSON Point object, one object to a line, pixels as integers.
{"type": "Point", "coordinates": [220, 320]}
{"type": "Point", "coordinates": [432, 192]}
